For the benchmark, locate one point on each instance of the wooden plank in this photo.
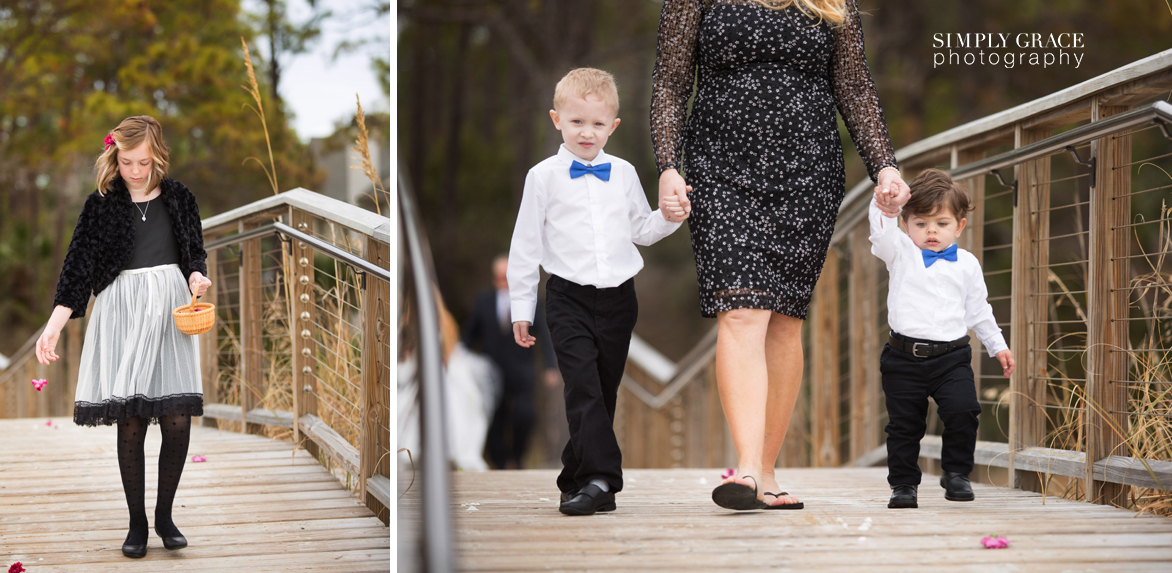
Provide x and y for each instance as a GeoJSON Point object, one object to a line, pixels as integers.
{"type": "Point", "coordinates": [1104, 429]}
{"type": "Point", "coordinates": [376, 378]}
{"type": "Point", "coordinates": [265, 509]}
{"type": "Point", "coordinates": [1026, 424]}
{"type": "Point", "coordinates": [845, 526]}
{"type": "Point", "coordinates": [1130, 471]}
{"type": "Point", "coordinates": [332, 443]}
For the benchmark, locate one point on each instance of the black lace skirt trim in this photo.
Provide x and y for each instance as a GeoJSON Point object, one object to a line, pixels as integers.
{"type": "Point", "coordinates": [138, 406]}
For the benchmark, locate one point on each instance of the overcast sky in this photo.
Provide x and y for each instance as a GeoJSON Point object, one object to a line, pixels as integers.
{"type": "Point", "coordinates": [319, 90]}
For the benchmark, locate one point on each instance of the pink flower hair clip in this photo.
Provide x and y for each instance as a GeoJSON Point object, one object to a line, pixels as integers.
{"type": "Point", "coordinates": [38, 384]}
{"type": "Point", "coordinates": [109, 141]}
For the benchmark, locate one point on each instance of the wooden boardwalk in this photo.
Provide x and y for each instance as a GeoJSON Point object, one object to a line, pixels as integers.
{"type": "Point", "coordinates": [253, 506]}
{"type": "Point", "coordinates": [666, 521]}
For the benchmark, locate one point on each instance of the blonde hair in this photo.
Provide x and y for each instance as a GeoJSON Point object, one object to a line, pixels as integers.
{"type": "Point", "coordinates": [582, 82]}
{"type": "Point", "coordinates": [832, 11]}
{"type": "Point", "coordinates": [128, 135]}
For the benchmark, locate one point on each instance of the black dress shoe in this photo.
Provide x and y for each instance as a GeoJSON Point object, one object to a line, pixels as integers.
{"type": "Point", "coordinates": [134, 551]}
{"type": "Point", "coordinates": [568, 495]}
{"type": "Point", "coordinates": [903, 496]}
{"type": "Point", "coordinates": [589, 500]}
{"type": "Point", "coordinates": [176, 542]}
{"type": "Point", "coordinates": [956, 487]}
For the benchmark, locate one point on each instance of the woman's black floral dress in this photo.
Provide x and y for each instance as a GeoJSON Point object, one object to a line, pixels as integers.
{"type": "Point", "coordinates": [761, 146]}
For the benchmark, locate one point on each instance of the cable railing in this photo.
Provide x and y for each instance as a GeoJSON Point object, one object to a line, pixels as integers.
{"type": "Point", "coordinates": [1073, 236]}
{"type": "Point", "coordinates": [301, 346]}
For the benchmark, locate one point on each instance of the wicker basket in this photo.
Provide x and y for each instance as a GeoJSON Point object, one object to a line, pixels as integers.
{"type": "Point", "coordinates": [195, 318]}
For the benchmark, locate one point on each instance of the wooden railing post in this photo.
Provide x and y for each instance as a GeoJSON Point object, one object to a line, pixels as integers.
{"type": "Point", "coordinates": [251, 316]}
{"type": "Point", "coordinates": [209, 342]}
{"type": "Point", "coordinates": [864, 344]}
{"type": "Point", "coordinates": [1110, 211]}
{"type": "Point", "coordinates": [824, 366]}
{"type": "Point", "coordinates": [1026, 417]}
{"type": "Point", "coordinates": [301, 327]}
{"type": "Point", "coordinates": [376, 375]}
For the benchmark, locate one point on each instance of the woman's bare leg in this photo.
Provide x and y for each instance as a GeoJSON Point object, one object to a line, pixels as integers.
{"type": "Point", "coordinates": [742, 380]}
{"type": "Point", "coordinates": [783, 359]}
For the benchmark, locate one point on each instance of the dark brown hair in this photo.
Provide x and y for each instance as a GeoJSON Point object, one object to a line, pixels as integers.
{"type": "Point", "coordinates": [933, 190]}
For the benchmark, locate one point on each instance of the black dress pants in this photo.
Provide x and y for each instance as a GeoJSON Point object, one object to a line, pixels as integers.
{"type": "Point", "coordinates": [591, 331]}
{"type": "Point", "coordinates": [908, 381]}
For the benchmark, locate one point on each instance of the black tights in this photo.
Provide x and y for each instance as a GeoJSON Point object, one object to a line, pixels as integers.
{"type": "Point", "coordinates": [132, 463]}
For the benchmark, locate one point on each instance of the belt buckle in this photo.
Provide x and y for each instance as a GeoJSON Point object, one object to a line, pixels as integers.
{"type": "Point", "coordinates": [916, 347]}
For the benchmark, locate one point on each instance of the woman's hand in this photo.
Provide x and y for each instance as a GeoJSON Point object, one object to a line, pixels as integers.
{"type": "Point", "coordinates": [198, 283]}
{"type": "Point", "coordinates": [47, 343]}
{"type": "Point", "coordinates": [891, 193]}
{"type": "Point", "coordinates": [672, 186]}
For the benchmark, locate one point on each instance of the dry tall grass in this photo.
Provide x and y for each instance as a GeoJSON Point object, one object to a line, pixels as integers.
{"type": "Point", "coordinates": [1148, 435]}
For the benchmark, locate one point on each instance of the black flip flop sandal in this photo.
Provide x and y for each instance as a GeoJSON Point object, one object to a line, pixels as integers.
{"type": "Point", "coordinates": [798, 505]}
{"type": "Point", "coordinates": [733, 495]}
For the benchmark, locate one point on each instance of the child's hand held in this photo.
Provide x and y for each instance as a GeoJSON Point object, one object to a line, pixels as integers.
{"type": "Point", "coordinates": [1006, 359]}
{"type": "Point", "coordinates": [521, 334]}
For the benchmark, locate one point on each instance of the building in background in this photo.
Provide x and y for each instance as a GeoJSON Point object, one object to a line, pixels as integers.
{"type": "Point", "coordinates": [335, 156]}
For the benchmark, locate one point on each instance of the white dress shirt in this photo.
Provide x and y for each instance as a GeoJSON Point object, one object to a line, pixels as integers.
{"type": "Point", "coordinates": [940, 302]}
{"type": "Point", "coordinates": [583, 229]}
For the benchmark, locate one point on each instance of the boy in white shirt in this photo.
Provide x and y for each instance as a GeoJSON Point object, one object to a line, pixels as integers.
{"type": "Point", "coordinates": [582, 213]}
{"type": "Point", "coordinates": [936, 293]}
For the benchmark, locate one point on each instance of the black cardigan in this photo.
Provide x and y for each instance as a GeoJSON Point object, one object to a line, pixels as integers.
{"type": "Point", "coordinates": [103, 241]}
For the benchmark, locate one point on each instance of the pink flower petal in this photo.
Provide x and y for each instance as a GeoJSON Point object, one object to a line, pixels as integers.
{"type": "Point", "coordinates": [38, 384]}
{"type": "Point", "coordinates": [198, 459]}
{"type": "Point", "coordinates": [995, 542]}
{"type": "Point", "coordinates": [16, 568]}
{"type": "Point", "coordinates": [48, 422]}
{"type": "Point", "coordinates": [730, 472]}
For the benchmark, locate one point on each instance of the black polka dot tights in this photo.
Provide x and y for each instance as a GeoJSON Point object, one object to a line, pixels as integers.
{"type": "Point", "coordinates": [176, 431]}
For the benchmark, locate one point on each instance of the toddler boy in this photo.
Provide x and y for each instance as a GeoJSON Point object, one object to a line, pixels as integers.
{"type": "Point", "coordinates": [936, 293]}
{"type": "Point", "coordinates": [581, 215]}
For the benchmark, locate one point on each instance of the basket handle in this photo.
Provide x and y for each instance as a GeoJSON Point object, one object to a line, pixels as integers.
{"type": "Point", "coordinates": [193, 309]}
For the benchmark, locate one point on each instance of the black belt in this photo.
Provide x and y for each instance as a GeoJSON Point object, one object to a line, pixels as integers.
{"type": "Point", "coordinates": [925, 349]}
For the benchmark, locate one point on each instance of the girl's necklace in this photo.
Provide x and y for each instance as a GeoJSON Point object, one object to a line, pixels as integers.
{"type": "Point", "coordinates": [143, 211]}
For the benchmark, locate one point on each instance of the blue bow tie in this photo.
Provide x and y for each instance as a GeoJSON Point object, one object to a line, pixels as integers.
{"type": "Point", "coordinates": [601, 171]}
{"type": "Point", "coordinates": [931, 256]}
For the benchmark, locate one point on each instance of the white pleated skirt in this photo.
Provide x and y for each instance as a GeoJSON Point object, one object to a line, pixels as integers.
{"type": "Point", "coordinates": [135, 361]}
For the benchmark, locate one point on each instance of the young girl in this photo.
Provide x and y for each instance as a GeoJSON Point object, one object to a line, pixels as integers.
{"type": "Point", "coordinates": [138, 247]}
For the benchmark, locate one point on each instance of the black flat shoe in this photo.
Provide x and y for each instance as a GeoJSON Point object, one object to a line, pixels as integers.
{"type": "Point", "coordinates": [589, 500]}
{"type": "Point", "coordinates": [733, 495]}
{"type": "Point", "coordinates": [956, 487]}
{"type": "Point", "coordinates": [135, 551]}
{"type": "Point", "coordinates": [903, 496]}
{"type": "Point", "coordinates": [568, 495]}
{"type": "Point", "coordinates": [176, 542]}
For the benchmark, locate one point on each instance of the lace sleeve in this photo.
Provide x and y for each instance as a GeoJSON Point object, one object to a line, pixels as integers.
{"type": "Point", "coordinates": [675, 71]}
{"type": "Point", "coordinates": [854, 94]}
